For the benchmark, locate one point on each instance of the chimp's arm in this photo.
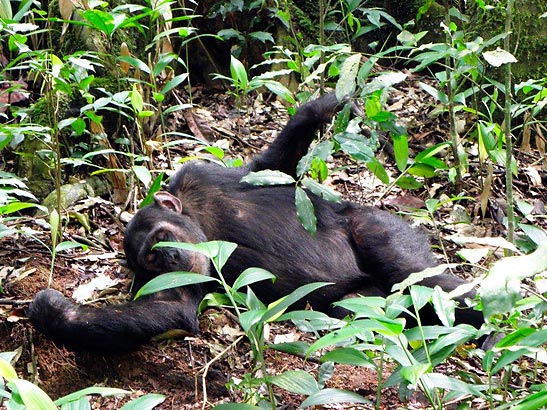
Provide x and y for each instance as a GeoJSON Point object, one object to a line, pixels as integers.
{"type": "Point", "coordinates": [294, 140]}
{"type": "Point", "coordinates": [114, 328]}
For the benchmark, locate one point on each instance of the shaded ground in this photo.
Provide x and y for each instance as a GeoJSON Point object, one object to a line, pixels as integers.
{"type": "Point", "coordinates": [179, 369]}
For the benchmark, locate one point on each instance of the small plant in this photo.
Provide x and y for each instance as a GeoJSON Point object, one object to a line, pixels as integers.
{"type": "Point", "coordinates": [17, 393]}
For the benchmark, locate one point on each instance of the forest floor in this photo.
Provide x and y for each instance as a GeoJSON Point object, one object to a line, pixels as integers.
{"type": "Point", "coordinates": [218, 357]}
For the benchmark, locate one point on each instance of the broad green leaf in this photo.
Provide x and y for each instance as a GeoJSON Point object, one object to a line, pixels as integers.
{"type": "Point", "coordinates": [495, 242]}
{"type": "Point", "coordinates": [422, 170]}
{"type": "Point", "coordinates": [419, 276]}
{"type": "Point", "coordinates": [295, 296]}
{"type": "Point", "coordinates": [65, 245]}
{"type": "Point", "coordinates": [250, 276]}
{"type": "Point", "coordinates": [137, 101]}
{"type": "Point", "coordinates": [33, 397]}
{"type": "Point", "coordinates": [80, 404]}
{"type": "Point", "coordinates": [356, 146]}
{"type": "Point", "coordinates": [442, 381]}
{"type": "Point", "coordinates": [351, 330]}
{"type": "Point", "coordinates": [155, 187]}
{"type": "Point", "coordinates": [172, 280]}
{"type": "Point", "coordinates": [500, 290]}
{"type": "Point", "coordinates": [409, 183]}
{"type": "Point", "coordinates": [321, 190]}
{"type": "Point", "coordinates": [332, 396]}
{"type": "Point", "coordinates": [400, 147]}
{"type": "Point", "coordinates": [420, 296]}
{"type": "Point", "coordinates": [103, 391]}
{"type": "Point", "coordinates": [250, 318]}
{"type": "Point", "coordinates": [348, 73]}
{"type": "Point", "coordinates": [54, 221]}
{"type": "Point", "coordinates": [146, 402]}
{"type": "Point", "coordinates": [294, 348]}
{"type": "Point", "coordinates": [217, 251]}
{"type": "Point", "coordinates": [499, 57]}
{"type": "Point", "coordinates": [262, 36]}
{"type": "Point", "coordinates": [268, 177]}
{"type": "Point", "coordinates": [7, 371]}
{"type": "Point", "coordinates": [296, 381]}
{"type": "Point", "coordinates": [239, 74]}
{"type": "Point", "coordinates": [435, 93]}
{"type": "Point", "coordinates": [534, 401]}
{"type": "Point", "coordinates": [174, 82]}
{"type": "Point", "coordinates": [378, 170]}
{"type": "Point", "coordinates": [413, 373]}
{"type": "Point", "coordinates": [348, 355]}
{"type": "Point", "coordinates": [444, 306]}
{"type": "Point", "coordinates": [305, 210]}
{"type": "Point", "coordinates": [100, 20]}
{"type": "Point", "coordinates": [143, 174]}
{"type": "Point", "coordinates": [236, 406]}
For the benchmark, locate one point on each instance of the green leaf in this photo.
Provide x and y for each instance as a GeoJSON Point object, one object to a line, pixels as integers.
{"type": "Point", "coordinates": [155, 187]}
{"type": "Point", "coordinates": [146, 402]}
{"type": "Point", "coordinates": [422, 170]}
{"type": "Point", "coordinates": [322, 191]}
{"type": "Point", "coordinates": [442, 381]}
{"type": "Point", "coordinates": [298, 294]}
{"type": "Point", "coordinates": [236, 406]}
{"type": "Point", "coordinates": [419, 276]}
{"type": "Point", "coordinates": [143, 174]}
{"type": "Point", "coordinates": [296, 381]}
{"type": "Point", "coordinates": [294, 348]}
{"type": "Point", "coordinates": [103, 391]}
{"type": "Point", "coordinates": [500, 290]}
{"type": "Point", "coordinates": [413, 373]}
{"type": "Point", "coordinates": [400, 146]}
{"type": "Point", "coordinates": [348, 73]}
{"type": "Point", "coordinates": [137, 101]}
{"type": "Point", "coordinates": [174, 82]}
{"type": "Point", "coordinates": [250, 318]}
{"type": "Point", "coordinates": [100, 20]}
{"type": "Point", "coordinates": [499, 57]}
{"type": "Point", "coordinates": [409, 183]}
{"type": "Point", "coordinates": [342, 335]}
{"type": "Point", "coordinates": [420, 296]}
{"type": "Point", "coordinates": [268, 177]}
{"type": "Point", "coordinates": [239, 74]}
{"type": "Point", "coordinates": [65, 245]}
{"type": "Point", "coordinates": [378, 170]}
{"type": "Point", "coordinates": [262, 36]}
{"type": "Point", "coordinates": [332, 396]}
{"type": "Point", "coordinates": [81, 404]}
{"type": "Point", "coordinates": [250, 276]}
{"type": "Point", "coordinates": [7, 371]}
{"type": "Point", "coordinates": [348, 355]}
{"type": "Point", "coordinates": [172, 280]}
{"type": "Point", "coordinates": [444, 306]}
{"type": "Point", "coordinates": [305, 210]}
{"type": "Point", "coordinates": [356, 146]}
{"type": "Point", "coordinates": [33, 396]}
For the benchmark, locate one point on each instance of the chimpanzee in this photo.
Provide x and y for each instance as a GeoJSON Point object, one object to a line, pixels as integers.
{"type": "Point", "coordinates": [363, 250]}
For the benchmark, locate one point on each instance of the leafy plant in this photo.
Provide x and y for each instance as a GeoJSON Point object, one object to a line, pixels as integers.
{"type": "Point", "coordinates": [17, 393]}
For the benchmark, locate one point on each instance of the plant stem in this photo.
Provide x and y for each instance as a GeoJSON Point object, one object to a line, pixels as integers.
{"type": "Point", "coordinates": [507, 131]}
{"type": "Point", "coordinates": [454, 138]}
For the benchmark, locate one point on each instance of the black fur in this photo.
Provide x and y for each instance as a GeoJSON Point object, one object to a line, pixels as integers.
{"type": "Point", "coordinates": [362, 249]}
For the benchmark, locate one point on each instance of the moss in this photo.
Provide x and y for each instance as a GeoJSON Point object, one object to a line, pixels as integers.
{"type": "Point", "coordinates": [529, 35]}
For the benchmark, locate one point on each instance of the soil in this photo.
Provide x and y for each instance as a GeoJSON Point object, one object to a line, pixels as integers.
{"type": "Point", "coordinates": [192, 372]}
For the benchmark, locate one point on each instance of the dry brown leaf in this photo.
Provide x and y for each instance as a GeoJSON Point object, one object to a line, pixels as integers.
{"type": "Point", "coordinates": [200, 128]}
{"type": "Point", "coordinates": [124, 52]}
{"type": "Point", "coordinates": [487, 190]}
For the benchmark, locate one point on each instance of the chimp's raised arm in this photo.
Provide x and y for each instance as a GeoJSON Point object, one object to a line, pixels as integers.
{"type": "Point", "coordinates": [362, 250]}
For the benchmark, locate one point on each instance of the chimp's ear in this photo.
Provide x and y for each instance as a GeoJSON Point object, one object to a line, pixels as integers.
{"type": "Point", "coordinates": [168, 201]}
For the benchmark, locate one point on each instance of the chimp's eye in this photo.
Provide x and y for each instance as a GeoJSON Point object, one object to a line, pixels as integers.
{"type": "Point", "coordinates": [150, 258]}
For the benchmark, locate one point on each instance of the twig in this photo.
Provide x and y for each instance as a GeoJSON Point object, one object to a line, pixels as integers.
{"type": "Point", "coordinates": [8, 301]}
{"type": "Point", "coordinates": [205, 369]}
